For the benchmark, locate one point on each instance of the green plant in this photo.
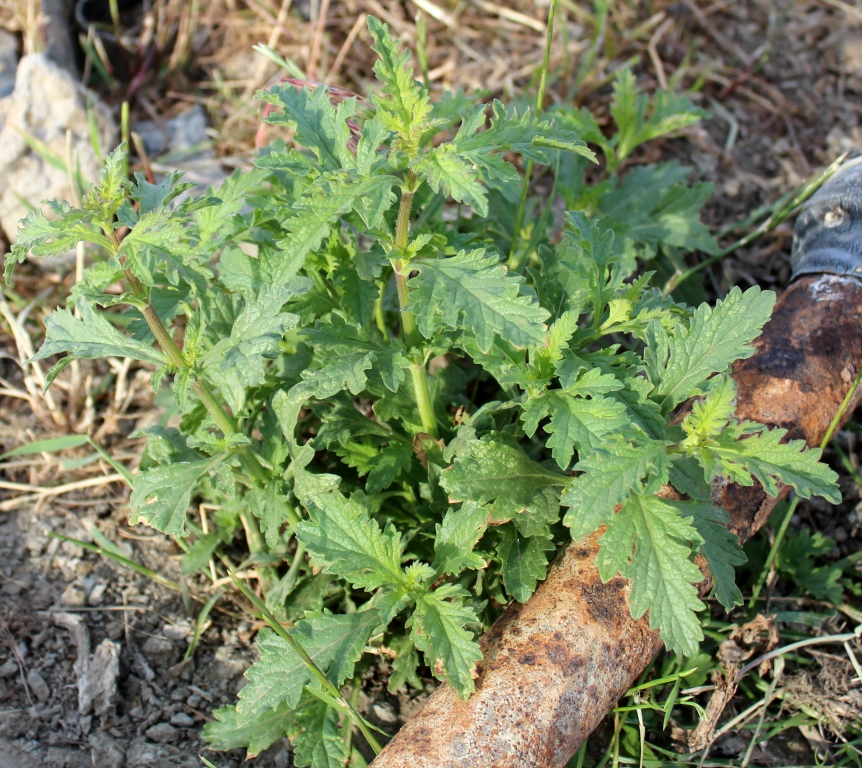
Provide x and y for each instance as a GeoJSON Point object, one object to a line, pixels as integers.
{"type": "Point", "coordinates": [393, 418]}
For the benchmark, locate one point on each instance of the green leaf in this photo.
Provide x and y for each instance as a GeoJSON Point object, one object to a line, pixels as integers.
{"type": "Point", "coordinates": [159, 242]}
{"type": "Point", "coordinates": [472, 292]}
{"type": "Point", "coordinates": [575, 422]}
{"type": "Point", "coordinates": [437, 629]}
{"type": "Point", "coordinates": [91, 337]}
{"type": "Point", "coordinates": [104, 198]}
{"type": "Point", "coordinates": [509, 131]}
{"type": "Point", "coordinates": [331, 195]}
{"type": "Point", "coordinates": [272, 508]}
{"type": "Point", "coordinates": [721, 549]}
{"type": "Point", "coordinates": [609, 475]}
{"type": "Point", "coordinates": [443, 170]}
{"type": "Point", "coordinates": [351, 354]}
{"type": "Point", "coordinates": [796, 559]}
{"type": "Point", "coordinates": [653, 205]}
{"type": "Point", "coordinates": [649, 541]}
{"type": "Point", "coordinates": [524, 561]}
{"type": "Point", "coordinates": [404, 665]}
{"type": "Point", "coordinates": [679, 363]}
{"type": "Point", "coordinates": [161, 496]}
{"type": "Point", "coordinates": [342, 538]}
{"type": "Point", "coordinates": [241, 358]}
{"type": "Point", "coordinates": [225, 732]}
{"type": "Point", "coordinates": [629, 107]}
{"type": "Point", "coordinates": [770, 461]}
{"type": "Point", "coordinates": [334, 643]}
{"type": "Point", "coordinates": [315, 738]}
{"type": "Point", "coordinates": [404, 106]}
{"type": "Point", "coordinates": [316, 124]}
{"type": "Point", "coordinates": [41, 237]}
{"type": "Point", "coordinates": [456, 537]}
{"type": "Point", "coordinates": [709, 416]}
{"type": "Point", "coordinates": [496, 470]}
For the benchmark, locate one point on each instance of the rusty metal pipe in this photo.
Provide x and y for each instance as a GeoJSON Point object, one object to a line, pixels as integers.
{"type": "Point", "coordinates": [556, 665]}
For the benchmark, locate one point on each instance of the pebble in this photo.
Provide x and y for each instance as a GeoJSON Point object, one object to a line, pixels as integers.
{"type": "Point", "coordinates": [38, 685]}
{"type": "Point", "coordinates": [97, 594]}
{"type": "Point", "coordinates": [194, 701]}
{"type": "Point", "coordinates": [162, 733]}
{"type": "Point", "coordinates": [182, 720]}
{"type": "Point", "coordinates": [74, 596]}
{"type": "Point", "coordinates": [9, 668]}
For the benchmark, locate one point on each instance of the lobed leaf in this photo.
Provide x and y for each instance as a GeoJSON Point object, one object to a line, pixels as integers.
{"type": "Point", "coordinates": [472, 292]}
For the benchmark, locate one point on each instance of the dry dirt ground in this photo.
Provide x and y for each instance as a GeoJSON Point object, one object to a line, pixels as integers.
{"type": "Point", "coordinates": [783, 82]}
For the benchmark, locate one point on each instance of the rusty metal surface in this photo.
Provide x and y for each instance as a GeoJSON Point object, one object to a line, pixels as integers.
{"type": "Point", "coordinates": [555, 666]}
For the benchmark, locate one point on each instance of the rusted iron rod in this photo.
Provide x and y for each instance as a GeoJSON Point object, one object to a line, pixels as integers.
{"type": "Point", "coordinates": [556, 665]}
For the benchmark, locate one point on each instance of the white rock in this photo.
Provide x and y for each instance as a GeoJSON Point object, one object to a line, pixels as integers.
{"type": "Point", "coordinates": [46, 104]}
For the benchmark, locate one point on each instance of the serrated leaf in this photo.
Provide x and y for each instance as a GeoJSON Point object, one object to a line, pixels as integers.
{"type": "Point", "coordinates": [342, 538]}
{"type": "Point", "coordinates": [771, 461]}
{"type": "Point", "coordinates": [225, 733]}
{"type": "Point", "coordinates": [91, 337]}
{"type": "Point", "coordinates": [331, 195]}
{"type": "Point", "coordinates": [41, 237]}
{"type": "Point", "coordinates": [473, 292]}
{"type": "Point", "coordinates": [316, 124]}
{"type": "Point", "coordinates": [654, 205]}
{"type": "Point", "coordinates": [649, 541]}
{"type": "Point", "coordinates": [388, 464]}
{"type": "Point", "coordinates": [151, 196]}
{"type": "Point", "coordinates": [509, 131]}
{"type": "Point", "coordinates": [161, 496]}
{"type": "Point", "coordinates": [444, 171]}
{"type": "Point", "coordinates": [609, 475]}
{"type": "Point", "coordinates": [254, 338]}
{"type": "Point", "coordinates": [404, 665]}
{"type": "Point", "coordinates": [334, 643]}
{"type": "Point", "coordinates": [576, 424]}
{"type": "Point", "coordinates": [272, 508]}
{"type": "Point", "coordinates": [316, 739]}
{"type": "Point", "coordinates": [104, 198]}
{"type": "Point", "coordinates": [523, 561]}
{"type": "Point", "coordinates": [351, 354]}
{"type": "Point", "coordinates": [404, 107]}
{"type": "Point", "coordinates": [679, 363]}
{"type": "Point", "coordinates": [713, 413]}
{"type": "Point", "coordinates": [496, 470]}
{"type": "Point", "coordinates": [437, 629]}
{"type": "Point", "coordinates": [629, 107]}
{"type": "Point", "coordinates": [456, 537]}
{"type": "Point", "coordinates": [214, 222]}
{"type": "Point", "coordinates": [159, 242]}
{"type": "Point", "coordinates": [720, 548]}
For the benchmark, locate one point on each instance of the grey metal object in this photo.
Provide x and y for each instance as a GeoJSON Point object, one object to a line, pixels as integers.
{"type": "Point", "coordinates": [828, 233]}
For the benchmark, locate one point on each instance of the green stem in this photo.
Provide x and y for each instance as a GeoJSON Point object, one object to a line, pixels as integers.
{"type": "Point", "coordinates": [782, 529]}
{"type": "Point", "coordinates": [220, 416]}
{"type": "Point", "coordinates": [514, 262]}
{"type": "Point", "coordinates": [310, 664]}
{"type": "Point", "coordinates": [408, 323]}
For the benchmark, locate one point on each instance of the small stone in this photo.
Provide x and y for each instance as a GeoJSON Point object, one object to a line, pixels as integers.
{"type": "Point", "coordinates": [182, 720]}
{"type": "Point", "coordinates": [157, 646]}
{"type": "Point", "coordinates": [194, 701]}
{"type": "Point", "coordinates": [9, 668]}
{"type": "Point", "coordinates": [38, 685]}
{"type": "Point", "coordinates": [163, 733]}
{"type": "Point", "coordinates": [384, 712]}
{"type": "Point", "coordinates": [105, 753]}
{"type": "Point", "coordinates": [97, 594]}
{"type": "Point", "coordinates": [282, 759]}
{"type": "Point", "coordinates": [74, 596]}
